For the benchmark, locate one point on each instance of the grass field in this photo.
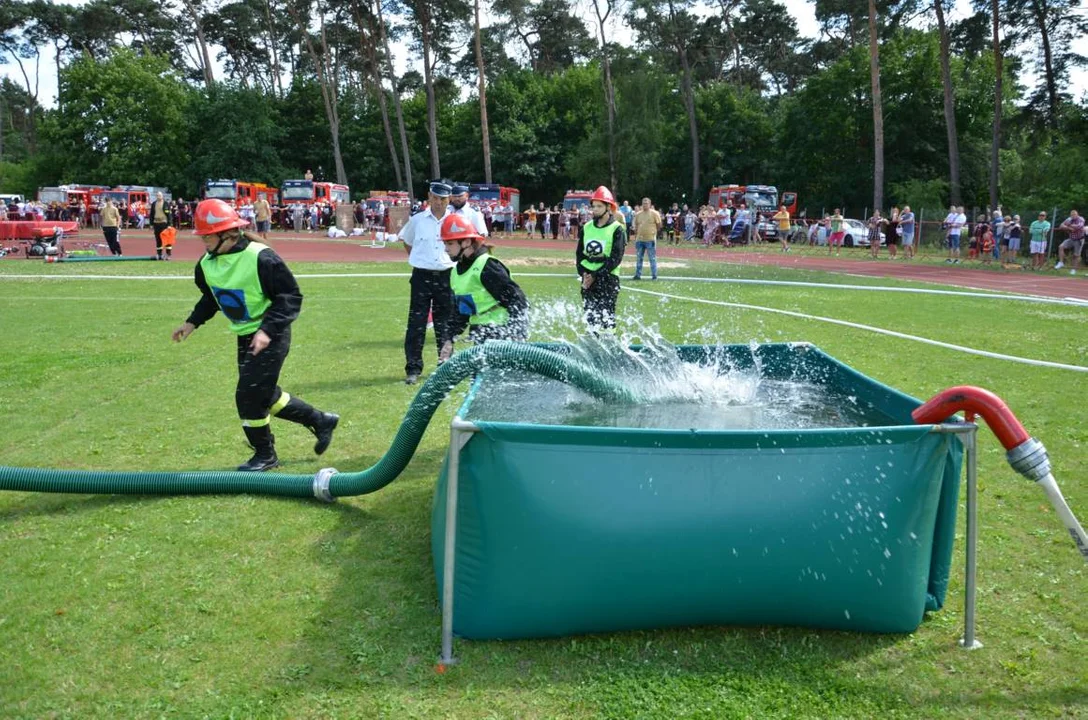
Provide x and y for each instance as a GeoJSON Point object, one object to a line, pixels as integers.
{"type": "Point", "coordinates": [262, 607]}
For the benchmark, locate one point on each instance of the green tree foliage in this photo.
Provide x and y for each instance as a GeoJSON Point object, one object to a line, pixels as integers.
{"type": "Point", "coordinates": [124, 119]}
{"type": "Point", "coordinates": [135, 107]}
{"type": "Point", "coordinates": [235, 133]}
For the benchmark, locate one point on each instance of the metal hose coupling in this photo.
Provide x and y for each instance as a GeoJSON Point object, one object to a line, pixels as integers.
{"type": "Point", "coordinates": [1030, 459]}
{"type": "Point", "coordinates": [1026, 454]}
{"type": "Point", "coordinates": [321, 484]}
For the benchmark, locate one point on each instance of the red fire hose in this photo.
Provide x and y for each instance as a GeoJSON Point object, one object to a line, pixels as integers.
{"type": "Point", "coordinates": [1026, 455]}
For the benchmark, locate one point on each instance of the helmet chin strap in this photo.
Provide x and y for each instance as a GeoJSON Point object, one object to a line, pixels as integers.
{"type": "Point", "coordinates": [215, 251]}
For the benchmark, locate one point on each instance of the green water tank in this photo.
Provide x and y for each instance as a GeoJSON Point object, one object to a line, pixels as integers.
{"type": "Point", "coordinates": [565, 530]}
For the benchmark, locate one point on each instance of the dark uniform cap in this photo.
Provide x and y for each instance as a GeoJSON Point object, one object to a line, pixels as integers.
{"type": "Point", "coordinates": [440, 188]}
{"type": "Point", "coordinates": [460, 189]}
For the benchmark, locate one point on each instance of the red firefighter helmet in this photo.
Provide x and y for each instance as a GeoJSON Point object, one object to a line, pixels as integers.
{"type": "Point", "coordinates": [604, 195]}
{"type": "Point", "coordinates": [215, 216]}
{"type": "Point", "coordinates": [458, 227]}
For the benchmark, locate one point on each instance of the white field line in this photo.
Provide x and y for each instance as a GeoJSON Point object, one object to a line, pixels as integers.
{"type": "Point", "coordinates": [1075, 302]}
{"type": "Point", "coordinates": [870, 328]}
{"type": "Point", "coordinates": [844, 323]}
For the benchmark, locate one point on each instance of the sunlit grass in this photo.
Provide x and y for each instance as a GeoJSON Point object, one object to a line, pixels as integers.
{"type": "Point", "coordinates": [255, 607]}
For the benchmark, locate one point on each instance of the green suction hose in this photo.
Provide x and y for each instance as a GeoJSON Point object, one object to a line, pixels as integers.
{"type": "Point", "coordinates": [328, 483]}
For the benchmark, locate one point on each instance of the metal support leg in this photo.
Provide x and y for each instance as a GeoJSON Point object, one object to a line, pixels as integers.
{"type": "Point", "coordinates": [460, 432]}
{"type": "Point", "coordinates": [968, 641]}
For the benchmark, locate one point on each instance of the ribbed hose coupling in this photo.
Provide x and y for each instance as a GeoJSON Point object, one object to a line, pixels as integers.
{"type": "Point", "coordinates": [1030, 459]}
{"type": "Point", "coordinates": [321, 484]}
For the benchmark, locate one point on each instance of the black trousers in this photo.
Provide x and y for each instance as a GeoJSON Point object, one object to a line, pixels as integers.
{"type": "Point", "coordinates": [430, 294]}
{"type": "Point", "coordinates": [259, 376]}
{"type": "Point", "coordinates": [158, 228]}
{"type": "Point", "coordinates": [599, 302]}
{"type": "Point", "coordinates": [110, 234]}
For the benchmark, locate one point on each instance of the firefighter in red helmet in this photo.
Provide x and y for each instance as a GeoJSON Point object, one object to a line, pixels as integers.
{"type": "Point", "coordinates": [485, 299]}
{"type": "Point", "coordinates": [258, 295]}
{"type": "Point", "coordinates": [598, 256]}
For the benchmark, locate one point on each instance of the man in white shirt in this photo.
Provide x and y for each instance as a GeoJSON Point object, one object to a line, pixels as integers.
{"type": "Point", "coordinates": [459, 206]}
{"type": "Point", "coordinates": [430, 281]}
{"type": "Point", "coordinates": [955, 222]}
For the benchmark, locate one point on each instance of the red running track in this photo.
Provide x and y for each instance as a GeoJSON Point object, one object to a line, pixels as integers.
{"type": "Point", "coordinates": [315, 248]}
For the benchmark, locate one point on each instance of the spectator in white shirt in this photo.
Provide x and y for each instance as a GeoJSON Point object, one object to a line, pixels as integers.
{"type": "Point", "coordinates": [430, 281]}
{"type": "Point", "coordinates": [459, 206]}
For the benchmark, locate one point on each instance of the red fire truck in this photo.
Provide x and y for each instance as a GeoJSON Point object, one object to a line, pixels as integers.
{"type": "Point", "coordinates": [310, 192]}
{"type": "Point", "coordinates": [481, 194]}
{"type": "Point", "coordinates": [762, 198]}
{"type": "Point", "coordinates": [82, 195]}
{"type": "Point", "coordinates": [575, 199]}
{"type": "Point", "coordinates": [126, 195]}
{"type": "Point", "coordinates": [239, 192]}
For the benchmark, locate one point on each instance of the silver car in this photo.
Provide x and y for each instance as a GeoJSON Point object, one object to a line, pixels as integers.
{"type": "Point", "coordinates": [857, 234]}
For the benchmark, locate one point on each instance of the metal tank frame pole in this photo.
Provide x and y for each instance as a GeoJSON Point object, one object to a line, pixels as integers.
{"type": "Point", "coordinates": [460, 433]}
{"type": "Point", "coordinates": [968, 641]}
{"type": "Point", "coordinates": [970, 585]}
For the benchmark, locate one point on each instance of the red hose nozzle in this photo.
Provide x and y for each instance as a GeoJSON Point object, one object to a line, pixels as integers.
{"type": "Point", "coordinates": [966, 398]}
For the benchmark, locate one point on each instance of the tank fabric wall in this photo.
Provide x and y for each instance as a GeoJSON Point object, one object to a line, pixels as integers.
{"type": "Point", "coordinates": [565, 530]}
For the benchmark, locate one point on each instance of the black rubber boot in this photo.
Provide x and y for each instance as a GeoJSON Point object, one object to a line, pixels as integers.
{"type": "Point", "coordinates": [323, 431]}
{"type": "Point", "coordinates": [321, 424]}
{"type": "Point", "coordinates": [264, 449]}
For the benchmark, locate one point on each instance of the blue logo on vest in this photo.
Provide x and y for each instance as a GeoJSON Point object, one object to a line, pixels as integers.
{"type": "Point", "coordinates": [232, 303]}
{"type": "Point", "coordinates": [594, 249]}
{"type": "Point", "coordinates": [465, 304]}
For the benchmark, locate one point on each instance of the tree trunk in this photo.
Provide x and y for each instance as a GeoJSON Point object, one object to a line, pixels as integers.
{"type": "Point", "coordinates": [328, 91]}
{"type": "Point", "coordinates": [206, 58]}
{"type": "Point", "coordinates": [396, 100]}
{"type": "Point", "coordinates": [32, 121]}
{"type": "Point", "coordinates": [995, 159]}
{"type": "Point", "coordinates": [1048, 62]}
{"type": "Point", "coordinates": [878, 111]}
{"type": "Point", "coordinates": [428, 86]}
{"type": "Point", "coordinates": [610, 102]}
{"type": "Point", "coordinates": [727, 7]}
{"type": "Point", "coordinates": [277, 81]}
{"type": "Point", "coordinates": [949, 108]}
{"type": "Point", "coordinates": [366, 43]}
{"type": "Point", "coordinates": [609, 93]}
{"type": "Point", "coordinates": [689, 100]}
{"type": "Point", "coordinates": [693, 125]}
{"type": "Point", "coordinates": [483, 99]}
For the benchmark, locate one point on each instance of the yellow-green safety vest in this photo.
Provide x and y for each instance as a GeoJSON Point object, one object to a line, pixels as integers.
{"type": "Point", "coordinates": [597, 245]}
{"type": "Point", "coordinates": [472, 297]}
{"type": "Point", "coordinates": [233, 280]}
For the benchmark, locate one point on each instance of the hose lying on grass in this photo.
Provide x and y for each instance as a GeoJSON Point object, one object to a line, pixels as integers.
{"type": "Point", "coordinates": [328, 483]}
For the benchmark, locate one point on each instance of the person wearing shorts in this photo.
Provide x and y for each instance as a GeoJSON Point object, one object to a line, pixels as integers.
{"type": "Point", "coordinates": [1013, 232]}
{"type": "Point", "coordinates": [955, 223]}
{"type": "Point", "coordinates": [837, 233]}
{"type": "Point", "coordinates": [1074, 225]}
{"type": "Point", "coordinates": [1039, 230]}
{"type": "Point", "coordinates": [906, 223]}
{"type": "Point", "coordinates": [262, 215]}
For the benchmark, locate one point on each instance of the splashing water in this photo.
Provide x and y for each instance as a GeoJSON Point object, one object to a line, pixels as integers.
{"type": "Point", "coordinates": [711, 394]}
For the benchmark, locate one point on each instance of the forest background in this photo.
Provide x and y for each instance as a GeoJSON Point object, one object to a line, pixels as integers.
{"type": "Point", "coordinates": [890, 104]}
